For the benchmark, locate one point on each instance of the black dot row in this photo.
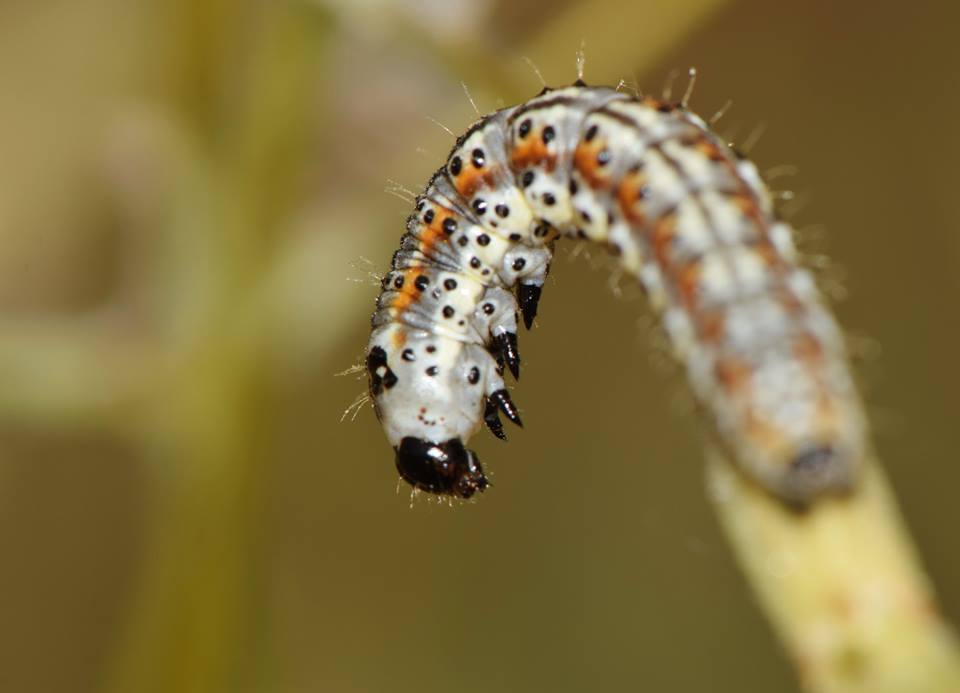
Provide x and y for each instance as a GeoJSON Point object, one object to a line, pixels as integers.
{"type": "Point", "coordinates": [408, 355]}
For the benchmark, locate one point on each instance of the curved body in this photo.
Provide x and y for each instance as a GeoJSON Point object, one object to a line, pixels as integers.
{"type": "Point", "coordinates": [684, 214]}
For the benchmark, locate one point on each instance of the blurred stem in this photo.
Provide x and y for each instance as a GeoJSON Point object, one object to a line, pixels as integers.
{"type": "Point", "coordinates": [191, 626]}
{"type": "Point", "coordinates": [841, 585]}
{"type": "Point", "coordinates": [51, 374]}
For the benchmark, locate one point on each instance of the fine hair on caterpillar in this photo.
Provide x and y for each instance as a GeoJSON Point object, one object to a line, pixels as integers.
{"type": "Point", "coordinates": [681, 212]}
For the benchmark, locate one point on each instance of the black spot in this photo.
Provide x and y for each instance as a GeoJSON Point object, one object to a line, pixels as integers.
{"type": "Point", "coordinates": [432, 371]}
{"type": "Point", "coordinates": [549, 200]}
{"type": "Point", "coordinates": [449, 284]}
{"type": "Point", "coordinates": [488, 308]}
{"type": "Point", "coordinates": [483, 239]}
{"type": "Point", "coordinates": [585, 215]}
{"type": "Point", "coordinates": [591, 133]}
{"type": "Point", "coordinates": [475, 262]}
{"type": "Point", "coordinates": [581, 233]}
{"type": "Point", "coordinates": [462, 241]}
{"type": "Point", "coordinates": [431, 349]}
{"type": "Point", "coordinates": [428, 216]}
{"type": "Point", "coordinates": [610, 218]}
{"type": "Point", "coordinates": [480, 206]}
{"type": "Point", "coordinates": [422, 282]}
{"type": "Point", "coordinates": [420, 205]}
{"type": "Point", "coordinates": [527, 179]}
{"type": "Point", "coordinates": [519, 264]}
{"type": "Point", "coordinates": [456, 165]}
{"type": "Point", "coordinates": [573, 187]}
{"type": "Point", "coordinates": [616, 249]}
{"type": "Point", "coordinates": [548, 134]}
{"type": "Point", "coordinates": [408, 355]}
{"type": "Point", "coordinates": [524, 128]}
{"type": "Point", "coordinates": [398, 283]}
{"type": "Point", "coordinates": [478, 159]}
{"type": "Point", "coordinates": [541, 230]}
{"type": "Point", "coordinates": [515, 237]}
{"type": "Point", "coordinates": [485, 271]}
{"type": "Point", "coordinates": [448, 311]}
{"type": "Point", "coordinates": [603, 157]}
{"type": "Point", "coordinates": [666, 108]}
{"type": "Point", "coordinates": [449, 225]}
{"type": "Point", "coordinates": [377, 361]}
{"type": "Point", "coordinates": [474, 376]}
{"type": "Point", "coordinates": [502, 211]}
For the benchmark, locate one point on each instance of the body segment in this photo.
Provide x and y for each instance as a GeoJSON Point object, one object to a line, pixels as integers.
{"type": "Point", "coordinates": [683, 214]}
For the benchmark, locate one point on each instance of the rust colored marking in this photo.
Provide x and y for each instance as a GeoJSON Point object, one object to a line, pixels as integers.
{"type": "Point", "coordinates": [472, 179]}
{"type": "Point", "coordinates": [749, 207]}
{"type": "Point", "coordinates": [732, 373]}
{"type": "Point", "coordinates": [709, 149]}
{"type": "Point", "coordinates": [399, 338]}
{"type": "Point", "coordinates": [408, 294]}
{"type": "Point", "coordinates": [808, 348]}
{"type": "Point", "coordinates": [431, 235]}
{"type": "Point", "coordinates": [658, 104]}
{"type": "Point", "coordinates": [712, 326]}
{"type": "Point", "coordinates": [688, 282]}
{"type": "Point", "coordinates": [585, 161]}
{"type": "Point", "coordinates": [661, 237]}
{"type": "Point", "coordinates": [765, 435]}
{"type": "Point", "coordinates": [793, 305]}
{"type": "Point", "coordinates": [531, 151]}
{"type": "Point", "coordinates": [764, 247]}
{"type": "Point", "coordinates": [630, 191]}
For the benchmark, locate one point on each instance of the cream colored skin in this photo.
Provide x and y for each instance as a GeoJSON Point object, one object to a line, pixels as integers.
{"type": "Point", "coordinates": [786, 409]}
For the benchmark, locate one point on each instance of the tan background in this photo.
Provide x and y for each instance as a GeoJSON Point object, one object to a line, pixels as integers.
{"type": "Point", "coordinates": [187, 190]}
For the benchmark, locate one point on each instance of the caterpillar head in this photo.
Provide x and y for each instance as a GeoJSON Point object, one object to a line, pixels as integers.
{"type": "Point", "coordinates": [430, 394]}
{"type": "Point", "coordinates": [444, 468]}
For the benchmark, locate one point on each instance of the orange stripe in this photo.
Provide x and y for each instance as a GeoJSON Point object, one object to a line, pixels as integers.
{"type": "Point", "coordinates": [585, 161]}
{"type": "Point", "coordinates": [629, 193]}
{"type": "Point", "coordinates": [472, 179]}
{"type": "Point", "coordinates": [532, 152]}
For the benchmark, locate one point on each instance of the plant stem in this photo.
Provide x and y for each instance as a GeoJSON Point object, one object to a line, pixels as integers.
{"type": "Point", "coordinates": [842, 586]}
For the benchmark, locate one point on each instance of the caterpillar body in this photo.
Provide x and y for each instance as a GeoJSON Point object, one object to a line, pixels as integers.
{"type": "Point", "coordinates": [683, 213]}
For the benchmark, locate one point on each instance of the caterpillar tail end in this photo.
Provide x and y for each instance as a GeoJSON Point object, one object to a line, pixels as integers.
{"type": "Point", "coordinates": [816, 472]}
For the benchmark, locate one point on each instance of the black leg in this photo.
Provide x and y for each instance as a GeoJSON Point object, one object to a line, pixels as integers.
{"type": "Point", "coordinates": [506, 405]}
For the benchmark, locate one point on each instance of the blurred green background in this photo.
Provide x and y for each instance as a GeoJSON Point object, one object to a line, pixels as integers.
{"type": "Point", "coordinates": [191, 207]}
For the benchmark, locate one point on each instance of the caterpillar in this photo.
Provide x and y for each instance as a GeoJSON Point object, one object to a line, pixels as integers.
{"type": "Point", "coordinates": [685, 214]}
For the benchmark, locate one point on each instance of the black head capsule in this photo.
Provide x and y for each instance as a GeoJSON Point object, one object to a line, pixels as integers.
{"type": "Point", "coordinates": [443, 468]}
{"type": "Point", "coordinates": [816, 471]}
